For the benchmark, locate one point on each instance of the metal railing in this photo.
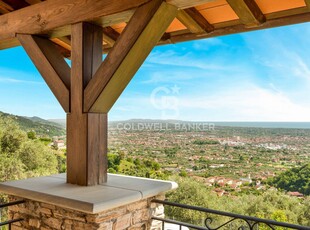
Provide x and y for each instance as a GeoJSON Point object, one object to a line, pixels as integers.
{"type": "Point", "coordinates": [241, 222]}
{"type": "Point", "coordinates": [10, 222]}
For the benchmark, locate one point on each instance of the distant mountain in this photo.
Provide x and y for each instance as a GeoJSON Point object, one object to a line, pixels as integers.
{"type": "Point", "coordinates": [239, 124]}
{"type": "Point", "coordinates": [42, 121]}
{"type": "Point", "coordinates": [40, 126]}
{"type": "Point", "coordinates": [61, 122]}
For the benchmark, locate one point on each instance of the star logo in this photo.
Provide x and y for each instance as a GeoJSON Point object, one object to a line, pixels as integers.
{"type": "Point", "coordinates": [175, 89]}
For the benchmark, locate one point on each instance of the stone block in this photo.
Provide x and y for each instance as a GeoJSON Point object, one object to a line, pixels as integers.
{"type": "Point", "coordinates": [34, 223]}
{"type": "Point", "coordinates": [123, 222]}
{"type": "Point", "coordinates": [53, 222]}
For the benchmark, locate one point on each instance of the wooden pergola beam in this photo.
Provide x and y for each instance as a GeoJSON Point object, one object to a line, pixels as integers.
{"type": "Point", "coordinates": [48, 15]}
{"type": "Point", "coordinates": [51, 66]}
{"type": "Point", "coordinates": [9, 43]}
{"type": "Point", "coordinates": [141, 34]}
{"type": "Point", "coordinates": [189, 22]}
{"type": "Point", "coordinates": [248, 12]}
{"type": "Point", "coordinates": [307, 3]}
{"type": "Point", "coordinates": [271, 23]}
{"type": "Point", "coordinates": [110, 36]}
{"type": "Point", "coordinates": [6, 6]}
{"type": "Point", "coordinates": [63, 42]}
{"type": "Point", "coordinates": [182, 4]}
{"type": "Point", "coordinates": [202, 22]}
{"type": "Point", "coordinates": [31, 2]}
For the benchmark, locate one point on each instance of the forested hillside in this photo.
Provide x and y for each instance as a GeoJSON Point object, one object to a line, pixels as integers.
{"type": "Point", "coordinates": [39, 126]}
{"type": "Point", "coordinates": [268, 205]}
{"type": "Point", "coordinates": [295, 179]}
{"type": "Point", "coordinates": [22, 157]}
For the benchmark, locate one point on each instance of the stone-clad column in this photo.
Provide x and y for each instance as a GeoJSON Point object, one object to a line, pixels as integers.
{"type": "Point", "coordinates": [40, 215]}
{"type": "Point", "coordinates": [124, 202]}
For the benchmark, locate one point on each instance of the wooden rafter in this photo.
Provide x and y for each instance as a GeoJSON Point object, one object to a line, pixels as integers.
{"type": "Point", "coordinates": [63, 42]}
{"type": "Point", "coordinates": [9, 43]}
{"type": "Point", "coordinates": [32, 2]}
{"type": "Point", "coordinates": [307, 3]}
{"type": "Point", "coordinates": [5, 8]}
{"type": "Point", "coordinates": [110, 36]}
{"type": "Point", "coordinates": [237, 28]}
{"type": "Point", "coordinates": [248, 12]}
{"type": "Point", "coordinates": [50, 64]}
{"type": "Point", "coordinates": [48, 15]}
{"type": "Point", "coordinates": [64, 52]}
{"type": "Point", "coordinates": [201, 21]}
{"type": "Point", "coordinates": [189, 22]}
{"type": "Point", "coordinates": [182, 4]}
{"type": "Point", "coordinates": [141, 34]}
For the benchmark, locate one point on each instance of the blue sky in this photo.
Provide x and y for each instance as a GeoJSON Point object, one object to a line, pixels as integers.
{"type": "Point", "coordinates": [257, 76]}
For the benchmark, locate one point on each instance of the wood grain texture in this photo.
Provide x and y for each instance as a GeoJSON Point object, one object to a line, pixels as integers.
{"type": "Point", "coordinates": [120, 50]}
{"type": "Point", "coordinates": [93, 138]}
{"type": "Point", "coordinates": [286, 13]}
{"type": "Point", "coordinates": [114, 19]}
{"type": "Point", "coordinates": [77, 148]}
{"type": "Point", "coordinates": [189, 22]}
{"type": "Point", "coordinates": [86, 149]}
{"type": "Point", "coordinates": [274, 21]}
{"type": "Point", "coordinates": [248, 12]}
{"type": "Point", "coordinates": [110, 36]}
{"type": "Point", "coordinates": [77, 68]}
{"type": "Point", "coordinates": [63, 42]}
{"type": "Point", "coordinates": [134, 58]}
{"type": "Point", "coordinates": [182, 4]}
{"type": "Point", "coordinates": [31, 2]}
{"type": "Point", "coordinates": [9, 43]}
{"type": "Point", "coordinates": [103, 148]}
{"type": "Point", "coordinates": [51, 66]}
{"type": "Point", "coordinates": [48, 15]}
{"type": "Point", "coordinates": [199, 19]}
{"type": "Point", "coordinates": [97, 148]}
{"type": "Point", "coordinates": [5, 8]}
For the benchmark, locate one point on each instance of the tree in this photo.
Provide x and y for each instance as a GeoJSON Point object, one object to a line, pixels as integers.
{"type": "Point", "coordinates": [11, 168]}
{"type": "Point", "coordinates": [32, 135]}
{"type": "Point", "coordinates": [38, 159]}
{"type": "Point", "coordinates": [21, 156]}
{"type": "Point", "coordinates": [11, 137]}
{"type": "Point", "coordinates": [295, 179]}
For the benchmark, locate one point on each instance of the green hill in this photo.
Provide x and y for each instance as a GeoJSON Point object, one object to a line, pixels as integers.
{"type": "Point", "coordinates": [295, 179]}
{"type": "Point", "coordinates": [40, 126]}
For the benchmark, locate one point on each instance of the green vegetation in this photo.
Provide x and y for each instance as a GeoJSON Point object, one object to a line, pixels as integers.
{"type": "Point", "coordinates": [268, 205]}
{"type": "Point", "coordinates": [206, 142]}
{"type": "Point", "coordinates": [243, 157]}
{"type": "Point", "coordinates": [118, 163]}
{"type": "Point", "coordinates": [253, 157]}
{"type": "Point", "coordinates": [22, 155]}
{"type": "Point", "coordinates": [295, 179]}
{"type": "Point", "coordinates": [36, 125]}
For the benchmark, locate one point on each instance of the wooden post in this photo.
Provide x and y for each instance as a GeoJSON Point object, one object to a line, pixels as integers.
{"type": "Point", "coordinates": [86, 132]}
{"type": "Point", "coordinates": [93, 86]}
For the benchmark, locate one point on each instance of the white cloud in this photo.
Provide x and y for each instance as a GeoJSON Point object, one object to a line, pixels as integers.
{"type": "Point", "coordinates": [184, 60]}
{"type": "Point", "coordinates": [248, 103]}
{"type": "Point", "coordinates": [243, 102]}
{"type": "Point", "coordinates": [19, 77]}
{"type": "Point", "coordinates": [206, 44]}
{"type": "Point", "coordinates": [17, 81]}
